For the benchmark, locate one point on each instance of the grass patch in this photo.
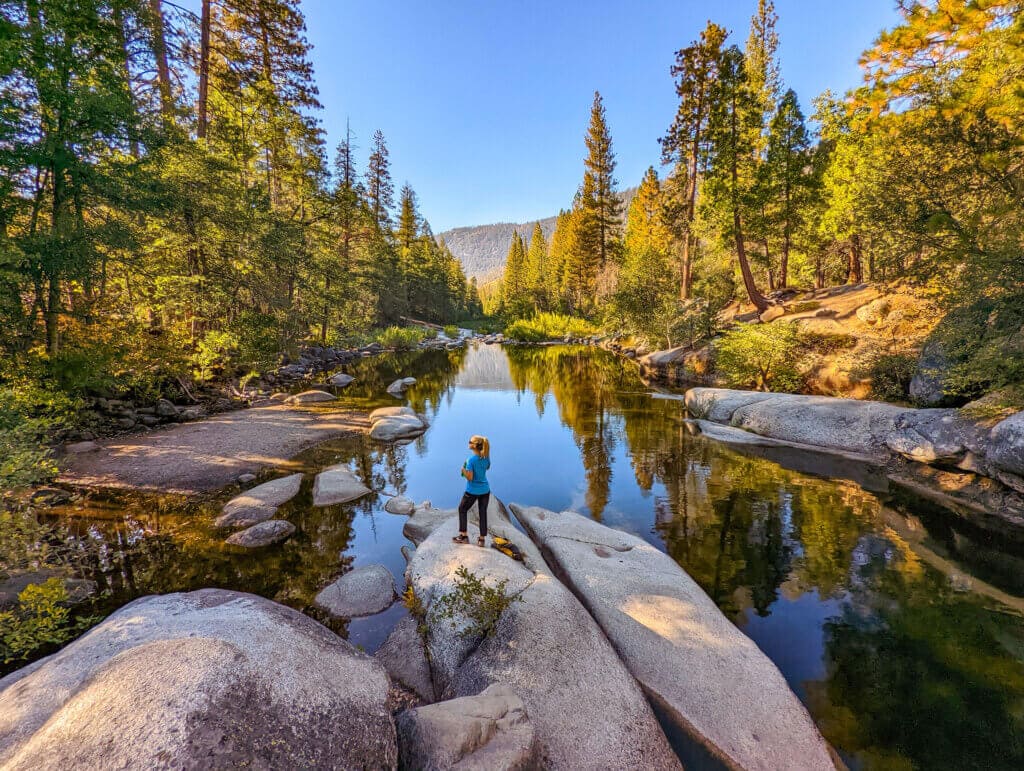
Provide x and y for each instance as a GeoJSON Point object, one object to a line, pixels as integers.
{"type": "Point", "coordinates": [401, 338]}
{"type": "Point", "coordinates": [548, 326]}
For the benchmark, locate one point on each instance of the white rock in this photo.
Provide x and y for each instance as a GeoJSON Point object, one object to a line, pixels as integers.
{"type": "Point", "coordinates": [490, 730]}
{"type": "Point", "coordinates": [363, 591]}
{"type": "Point", "coordinates": [400, 505]}
{"type": "Point", "coordinates": [337, 484]}
{"type": "Point", "coordinates": [259, 503]}
{"type": "Point", "coordinates": [208, 679]}
{"type": "Point", "coordinates": [710, 680]}
{"type": "Point", "coordinates": [310, 397]}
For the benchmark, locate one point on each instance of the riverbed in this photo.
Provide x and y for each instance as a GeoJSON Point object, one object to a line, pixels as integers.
{"type": "Point", "coordinates": [900, 626]}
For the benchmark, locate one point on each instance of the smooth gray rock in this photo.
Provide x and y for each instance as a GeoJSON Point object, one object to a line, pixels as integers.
{"type": "Point", "coordinates": [362, 591]}
{"type": "Point", "coordinates": [398, 427]}
{"type": "Point", "coordinates": [1006, 445]}
{"type": "Point", "coordinates": [718, 404]}
{"type": "Point", "coordinates": [405, 658]}
{"type": "Point", "coordinates": [310, 397]}
{"type": "Point", "coordinates": [586, 709]}
{"type": "Point", "coordinates": [824, 421]}
{"type": "Point", "coordinates": [709, 679]}
{"type": "Point", "coordinates": [208, 679]}
{"type": "Point", "coordinates": [936, 436]}
{"type": "Point", "coordinates": [390, 412]}
{"type": "Point", "coordinates": [400, 505]}
{"type": "Point", "coordinates": [341, 380]}
{"type": "Point", "coordinates": [262, 534]}
{"type": "Point", "coordinates": [259, 503]}
{"type": "Point", "coordinates": [927, 386]}
{"type": "Point", "coordinates": [337, 484]}
{"type": "Point", "coordinates": [426, 518]}
{"type": "Point", "coordinates": [487, 732]}
{"type": "Point", "coordinates": [244, 479]}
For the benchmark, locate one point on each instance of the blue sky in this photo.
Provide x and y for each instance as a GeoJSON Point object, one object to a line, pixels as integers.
{"type": "Point", "coordinates": [484, 104]}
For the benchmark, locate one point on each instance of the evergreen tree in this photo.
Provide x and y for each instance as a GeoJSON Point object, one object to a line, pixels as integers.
{"type": "Point", "coordinates": [408, 217]}
{"type": "Point", "coordinates": [380, 190]}
{"type": "Point", "coordinates": [787, 163]}
{"type": "Point", "coordinates": [537, 269]}
{"type": "Point", "coordinates": [731, 177]}
{"type": "Point", "coordinates": [687, 144]}
{"type": "Point", "coordinates": [514, 288]}
{"type": "Point", "coordinates": [645, 223]}
{"type": "Point", "coordinates": [601, 208]}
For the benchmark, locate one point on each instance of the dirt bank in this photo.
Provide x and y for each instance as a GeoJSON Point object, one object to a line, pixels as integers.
{"type": "Point", "coordinates": [199, 457]}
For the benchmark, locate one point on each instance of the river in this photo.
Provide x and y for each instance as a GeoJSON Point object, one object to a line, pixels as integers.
{"type": "Point", "coordinates": [899, 626]}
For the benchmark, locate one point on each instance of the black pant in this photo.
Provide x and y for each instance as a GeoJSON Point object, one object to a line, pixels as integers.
{"type": "Point", "coordinates": [467, 503]}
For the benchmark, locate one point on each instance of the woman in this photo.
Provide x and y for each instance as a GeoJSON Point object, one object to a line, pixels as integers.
{"type": "Point", "coordinates": [477, 489]}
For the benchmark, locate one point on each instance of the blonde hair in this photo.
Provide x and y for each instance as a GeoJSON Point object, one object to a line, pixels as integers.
{"type": "Point", "coordinates": [481, 445]}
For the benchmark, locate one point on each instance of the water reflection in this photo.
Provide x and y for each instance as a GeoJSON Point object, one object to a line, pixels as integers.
{"type": "Point", "coordinates": [900, 627]}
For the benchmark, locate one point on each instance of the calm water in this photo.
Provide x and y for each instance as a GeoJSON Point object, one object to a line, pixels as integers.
{"type": "Point", "coordinates": [899, 627]}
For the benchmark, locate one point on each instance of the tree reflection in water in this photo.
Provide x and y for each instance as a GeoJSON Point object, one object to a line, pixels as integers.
{"type": "Point", "coordinates": [899, 626]}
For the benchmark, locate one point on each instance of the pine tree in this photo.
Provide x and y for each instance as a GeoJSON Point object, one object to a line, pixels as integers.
{"type": "Point", "coordinates": [688, 141]}
{"type": "Point", "coordinates": [731, 176]}
{"type": "Point", "coordinates": [380, 190]}
{"type": "Point", "coordinates": [600, 206]}
{"type": "Point", "coordinates": [787, 164]}
{"type": "Point", "coordinates": [645, 225]}
{"type": "Point", "coordinates": [408, 217]}
{"type": "Point", "coordinates": [514, 288]}
{"type": "Point", "coordinates": [537, 268]}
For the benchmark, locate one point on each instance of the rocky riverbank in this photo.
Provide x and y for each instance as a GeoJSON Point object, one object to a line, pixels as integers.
{"type": "Point", "coordinates": [605, 655]}
{"type": "Point", "coordinates": [898, 438]}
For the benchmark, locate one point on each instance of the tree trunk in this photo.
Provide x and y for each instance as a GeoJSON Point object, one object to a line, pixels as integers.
{"type": "Point", "coordinates": [784, 260]}
{"type": "Point", "coordinates": [686, 269]}
{"type": "Point", "coordinates": [204, 70]}
{"type": "Point", "coordinates": [855, 274]}
{"type": "Point", "coordinates": [163, 72]}
{"type": "Point", "coordinates": [758, 299]}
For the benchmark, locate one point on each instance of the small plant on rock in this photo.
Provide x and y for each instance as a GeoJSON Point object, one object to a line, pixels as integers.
{"type": "Point", "coordinates": [475, 603]}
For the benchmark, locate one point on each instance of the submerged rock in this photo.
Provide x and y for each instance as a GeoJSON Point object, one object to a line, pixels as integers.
{"type": "Point", "coordinates": [586, 709]}
{"type": "Point", "coordinates": [362, 591]}
{"type": "Point", "coordinates": [728, 702]}
{"type": "Point", "coordinates": [398, 387]}
{"type": "Point", "coordinates": [310, 397]}
{"type": "Point", "coordinates": [341, 380]}
{"type": "Point", "coordinates": [263, 534]}
{"type": "Point", "coordinates": [405, 658]}
{"type": "Point", "coordinates": [208, 679]}
{"type": "Point", "coordinates": [488, 731]}
{"type": "Point", "coordinates": [337, 484]}
{"type": "Point", "coordinates": [259, 503]}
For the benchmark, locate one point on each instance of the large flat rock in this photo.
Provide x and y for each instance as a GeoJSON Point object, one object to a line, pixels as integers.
{"type": "Point", "coordinates": [259, 503]}
{"type": "Point", "coordinates": [208, 454]}
{"type": "Point", "coordinates": [586, 709]}
{"type": "Point", "coordinates": [727, 700]}
{"type": "Point", "coordinates": [404, 656]}
{"type": "Point", "coordinates": [337, 484]}
{"type": "Point", "coordinates": [425, 520]}
{"type": "Point", "coordinates": [208, 679]}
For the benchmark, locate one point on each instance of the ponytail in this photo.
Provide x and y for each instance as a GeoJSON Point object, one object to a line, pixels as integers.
{"type": "Point", "coordinates": [482, 445]}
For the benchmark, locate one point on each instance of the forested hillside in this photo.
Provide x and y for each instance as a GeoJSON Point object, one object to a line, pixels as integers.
{"type": "Point", "coordinates": [914, 177]}
{"type": "Point", "coordinates": [481, 249]}
{"type": "Point", "coordinates": [168, 204]}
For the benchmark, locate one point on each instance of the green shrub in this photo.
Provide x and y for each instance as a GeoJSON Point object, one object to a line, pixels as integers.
{"type": "Point", "coordinates": [474, 602]}
{"type": "Point", "coordinates": [400, 338]}
{"type": "Point", "coordinates": [41, 620]}
{"type": "Point", "coordinates": [30, 414]}
{"type": "Point", "coordinates": [548, 326]}
{"type": "Point", "coordinates": [890, 374]}
{"type": "Point", "coordinates": [761, 356]}
{"type": "Point", "coordinates": [451, 331]}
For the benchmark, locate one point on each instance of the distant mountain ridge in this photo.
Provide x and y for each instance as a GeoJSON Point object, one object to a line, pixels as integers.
{"type": "Point", "coordinates": [482, 248]}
